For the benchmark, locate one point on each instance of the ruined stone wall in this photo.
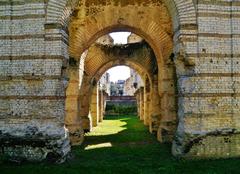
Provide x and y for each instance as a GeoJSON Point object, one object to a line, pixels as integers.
{"type": "Point", "coordinates": [147, 103]}
{"type": "Point", "coordinates": [34, 57]}
{"type": "Point", "coordinates": [155, 114]}
{"type": "Point", "coordinates": [139, 94]}
{"type": "Point", "coordinates": [101, 105]}
{"type": "Point", "coordinates": [84, 104]}
{"type": "Point", "coordinates": [72, 107]}
{"type": "Point", "coordinates": [208, 91]}
{"type": "Point", "coordinates": [141, 91]}
{"type": "Point", "coordinates": [94, 108]}
{"type": "Point", "coordinates": [32, 82]}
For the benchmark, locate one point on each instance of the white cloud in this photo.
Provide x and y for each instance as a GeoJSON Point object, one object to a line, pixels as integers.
{"type": "Point", "coordinates": [120, 37]}
{"type": "Point", "coordinates": [119, 73]}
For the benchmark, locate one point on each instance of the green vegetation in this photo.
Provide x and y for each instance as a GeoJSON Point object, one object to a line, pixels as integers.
{"type": "Point", "coordinates": [121, 109]}
{"type": "Point", "coordinates": [123, 145]}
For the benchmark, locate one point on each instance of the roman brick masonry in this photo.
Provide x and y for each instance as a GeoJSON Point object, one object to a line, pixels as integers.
{"type": "Point", "coordinates": [50, 63]}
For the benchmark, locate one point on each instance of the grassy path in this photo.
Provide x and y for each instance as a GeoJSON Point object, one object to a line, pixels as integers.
{"type": "Point", "coordinates": [123, 145]}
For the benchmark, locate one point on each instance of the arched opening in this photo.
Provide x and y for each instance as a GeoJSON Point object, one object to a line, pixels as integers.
{"type": "Point", "coordinates": [137, 54]}
{"type": "Point", "coordinates": [111, 97]}
{"type": "Point", "coordinates": [151, 21]}
{"type": "Point", "coordinates": [71, 28]}
{"type": "Point", "coordinates": [44, 45]}
{"type": "Point", "coordinates": [109, 18]}
{"type": "Point", "coordinates": [157, 33]}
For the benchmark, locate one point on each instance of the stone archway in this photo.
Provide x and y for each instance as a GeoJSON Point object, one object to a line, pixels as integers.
{"type": "Point", "coordinates": [99, 60]}
{"type": "Point", "coordinates": [56, 52]}
{"type": "Point", "coordinates": [183, 13]}
{"type": "Point", "coordinates": [35, 60]}
{"type": "Point", "coordinates": [93, 92]}
{"type": "Point", "coordinates": [183, 17]}
{"type": "Point", "coordinates": [42, 105]}
{"type": "Point", "coordinates": [158, 33]}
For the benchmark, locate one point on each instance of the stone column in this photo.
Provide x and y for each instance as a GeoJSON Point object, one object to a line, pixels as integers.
{"type": "Point", "coordinates": [105, 97]}
{"type": "Point", "coordinates": [101, 105]}
{"type": "Point", "coordinates": [84, 103]}
{"type": "Point", "coordinates": [167, 92]}
{"type": "Point", "coordinates": [72, 120]}
{"type": "Point", "coordinates": [138, 103]}
{"type": "Point", "coordinates": [155, 115]}
{"type": "Point", "coordinates": [137, 95]}
{"type": "Point", "coordinates": [147, 105]}
{"type": "Point", "coordinates": [141, 103]}
{"type": "Point", "coordinates": [95, 106]}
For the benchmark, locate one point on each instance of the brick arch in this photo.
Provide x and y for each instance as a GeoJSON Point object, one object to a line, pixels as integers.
{"type": "Point", "coordinates": [98, 57]}
{"type": "Point", "coordinates": [182, 12]}
{"type": "Point", "coordinates": [157, 33]}
{"type": "Point", "coordinates": [88, 86]}
{"type": "Point", "coordinates": [134, 65]}
{"type": "Point", "coordinates": [182, 15]}
{"type": "Point", "coordinates": [84, 34]}
{"type": "Point", "coordinates": [146, 76]}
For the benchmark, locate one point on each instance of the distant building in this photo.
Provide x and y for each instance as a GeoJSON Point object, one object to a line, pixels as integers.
{"type": "Point", "coordinates": [128, 87]}
{"type": "Point", "coordinates": [132, 83]}
{"type": "Point", "coordinates": [104, 83]}
{"type": "Point", "coordinates": [137, 80]}
{"type": "Point", "coordinates": [117, 88]}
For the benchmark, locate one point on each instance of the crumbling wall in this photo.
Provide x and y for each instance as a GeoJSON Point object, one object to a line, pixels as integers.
{"type": "Point", "coordinates": [33, 84]}
{"type": "Point", "coordinates": [208, 104]}
{"type": "Point", "coordinates": [34, 59]}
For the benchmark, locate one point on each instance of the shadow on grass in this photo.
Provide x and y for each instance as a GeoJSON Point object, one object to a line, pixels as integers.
{"type": "Point", "coordinates": [122, 144]}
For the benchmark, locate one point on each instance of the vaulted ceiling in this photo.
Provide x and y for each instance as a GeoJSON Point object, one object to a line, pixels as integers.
{"type": "Point", "coordinates": [138, 56]}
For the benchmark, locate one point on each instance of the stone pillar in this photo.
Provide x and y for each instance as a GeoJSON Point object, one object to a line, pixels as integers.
{"type": "Point", "coordinates": [137, 95]}
{"type": "Point", "coordinates": [138, 104]}
{"type": "Point", "coordinates": [101, 105]}
{"type": "Point", "coordinates": [72, 120]}
{"type": "Point", "coordinates": [147, 105]}
{"type": "Point", "coordinates": [156, 107]}
{"type": "Point", "coordinates": [84, 104]}
{"type": "Point", "coordinates": [167, 92]}
{"type": "Point", "coordinates": [94, 111]}
{"type": "Point", "coordinates": [105, 97]}
{"type": "Point", "coordinates": [141, 91]}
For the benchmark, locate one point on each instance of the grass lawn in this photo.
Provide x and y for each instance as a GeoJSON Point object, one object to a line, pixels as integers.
{"type": "Point", "coordinates": [123, 145]}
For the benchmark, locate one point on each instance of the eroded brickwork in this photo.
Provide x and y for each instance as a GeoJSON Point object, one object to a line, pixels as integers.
{"type": "Point", "coordinates": [208, 101]}
{"type": "Point", "coordinates": [32, 84]}
{"type": "Point", "coordinates": [203, 36]}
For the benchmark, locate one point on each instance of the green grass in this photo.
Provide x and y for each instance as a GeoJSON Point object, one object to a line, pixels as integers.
{"type": "Point", "coordinates": [123, 145]}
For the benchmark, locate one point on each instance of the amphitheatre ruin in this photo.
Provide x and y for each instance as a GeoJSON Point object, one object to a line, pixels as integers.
{"type": "Point", "coordinates": [54, 52]}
